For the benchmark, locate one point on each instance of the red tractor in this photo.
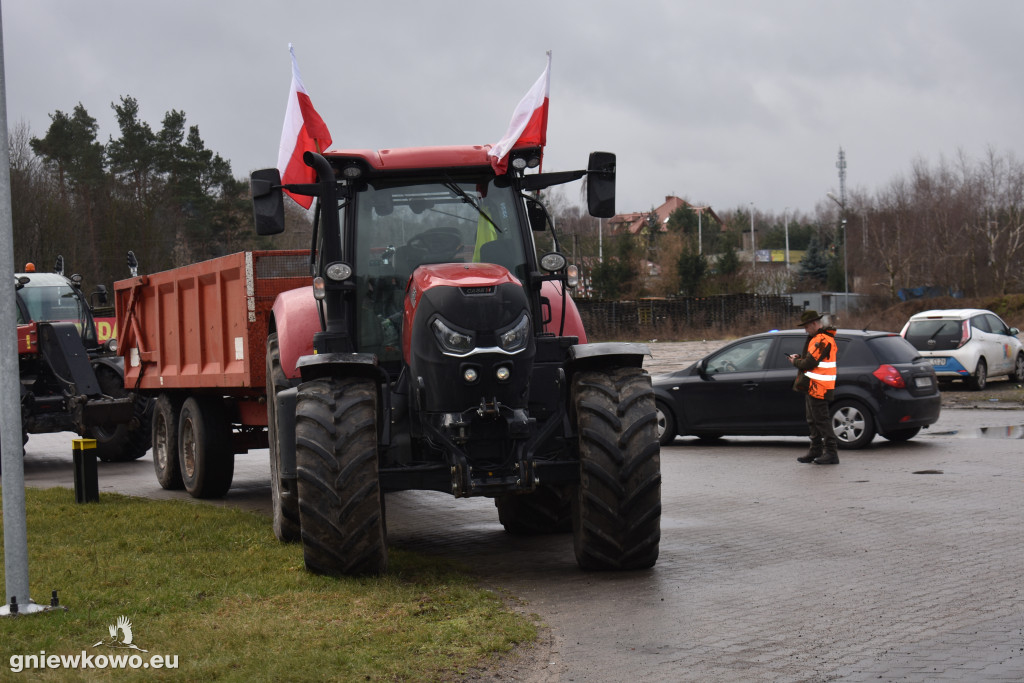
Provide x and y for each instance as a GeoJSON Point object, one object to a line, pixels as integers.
{"type": "Point", "coordinates": [437, 350]}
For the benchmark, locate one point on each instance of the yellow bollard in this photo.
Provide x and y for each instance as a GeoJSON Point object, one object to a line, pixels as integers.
{"type": "Point", "coordinates": [87, 487]}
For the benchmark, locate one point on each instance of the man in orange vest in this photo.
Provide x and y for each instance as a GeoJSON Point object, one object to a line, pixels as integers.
{"type": "Point", "coordinates": [817, 379]}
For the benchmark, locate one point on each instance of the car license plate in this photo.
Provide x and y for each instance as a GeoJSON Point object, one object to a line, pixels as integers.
{"type": "Point", "coordinates": [923, 382]}
{"type": "Point", "coordinates": [937, 361]}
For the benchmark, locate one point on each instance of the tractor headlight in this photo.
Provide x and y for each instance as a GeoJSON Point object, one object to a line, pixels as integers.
{"type": "Point", "coordinates": [515, 337]}
{"type": "Point", "coordinates": [451, 340]}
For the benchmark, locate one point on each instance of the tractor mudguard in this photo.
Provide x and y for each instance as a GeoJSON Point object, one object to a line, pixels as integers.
{"type": "Point", "coordinates": [315, 366]}
{"type": "Point", "coordinates": [286, 400]}
{"type": "Point", "coordinates": [607, 354]}
{"type": "Point", "coordinates": [296, 320]}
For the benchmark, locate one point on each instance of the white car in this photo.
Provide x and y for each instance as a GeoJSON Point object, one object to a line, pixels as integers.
{"type": "Point", "coordinates": [971, 344]}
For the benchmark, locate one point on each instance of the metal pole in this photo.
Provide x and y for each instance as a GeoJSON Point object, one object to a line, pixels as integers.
{"type": "Point", "coordinates": [785, 225]}
{"type": "Point", "coordinates": [846, 270]}
{"type": "Point", "coordinates": [600, 239]}
{"type": "Point", "coordinates": [753, 249]}
{"type": "Point", "coordinates": [700, 239]}
{"type": "Point", "coordinates": [15, 528]}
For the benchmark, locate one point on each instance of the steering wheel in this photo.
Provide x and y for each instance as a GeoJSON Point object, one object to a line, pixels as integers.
{"type": "Point", "coordinates": [727, 366]}
{"type": "Point", "coordinates": [437, 242]}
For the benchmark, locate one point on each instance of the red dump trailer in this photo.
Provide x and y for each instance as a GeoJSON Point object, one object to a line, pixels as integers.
{"type": "Point", "coordinates": [194, 338]}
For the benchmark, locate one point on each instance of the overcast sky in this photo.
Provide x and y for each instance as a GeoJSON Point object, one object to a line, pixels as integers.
{"type": "Point", "coordinates": [727, 103]}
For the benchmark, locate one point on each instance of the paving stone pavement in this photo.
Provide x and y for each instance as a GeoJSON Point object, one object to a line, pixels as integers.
{"type": "Point", "coordinates": [775, 571]}
{"type": "Point", "coordinates": [874, 570]}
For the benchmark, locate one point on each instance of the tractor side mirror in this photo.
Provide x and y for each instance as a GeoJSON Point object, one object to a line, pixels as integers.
{"type": "Point", "coordinates": [601, 184]}
{"type": "Point", "coordinates": [267, 201]}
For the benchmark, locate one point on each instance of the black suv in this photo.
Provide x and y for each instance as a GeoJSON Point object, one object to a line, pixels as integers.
{"type": "Point", "coordinates": [883, 386]}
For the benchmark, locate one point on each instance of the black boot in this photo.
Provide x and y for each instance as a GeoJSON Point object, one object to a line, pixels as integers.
{"type": "Point", "coordinates": [815, 451]}
{"type": "Point", "coordinates": [831, 454]}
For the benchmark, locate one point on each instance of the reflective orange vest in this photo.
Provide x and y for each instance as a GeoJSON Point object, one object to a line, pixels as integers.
{"type": "Point", "coordinates": [822, 377]}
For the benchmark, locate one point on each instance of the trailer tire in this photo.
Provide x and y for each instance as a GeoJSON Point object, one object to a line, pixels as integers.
{"type": "Point", "coordinates": [125, 442]}
{"type": "Point", "coordinates": [548, 510]}
{"type": "Point", "coordinates": [341, 506]}
{"type": "Point", "coordinates": [204, 448]}
{"type": "Point", "coordinates": [617, 506]}
{"type": "Point", "coordinates": [284, 502]}
{"type": "Point", "coordinates": [166, 411]}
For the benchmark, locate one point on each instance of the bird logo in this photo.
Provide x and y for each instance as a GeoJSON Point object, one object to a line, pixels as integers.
{"type": "Point", "coordinates": [124, 626]}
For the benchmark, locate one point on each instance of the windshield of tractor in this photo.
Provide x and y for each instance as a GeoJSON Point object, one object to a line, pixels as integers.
{"type": "Point", "coordinates": [58, 303]}
{"type": "Point", "coordinates": [402, 226]}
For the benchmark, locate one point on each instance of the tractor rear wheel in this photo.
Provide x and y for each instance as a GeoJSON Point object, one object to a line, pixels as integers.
{"type": "Point", "coordinates": [341, 511]}
{"type": "Point", "coordinates": [284, 497]}
{"type": "Point", "coordinates": [616, 511]}
{"type": "Point", "coordinates": [548, 510]}
{"type": "Point", "coordinates": [204, 448]}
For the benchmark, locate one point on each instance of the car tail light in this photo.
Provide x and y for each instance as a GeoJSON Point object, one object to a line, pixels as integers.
{"type": "Point", "coordinates": [887, 374]}
{"type": "Point", "coordinates": [965, 333]}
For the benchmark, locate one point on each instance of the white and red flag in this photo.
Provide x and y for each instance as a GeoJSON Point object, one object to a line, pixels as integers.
{"type": "Point", "coordinates": [303, 131]}
{"type": "Point", "coordinates": [529, 124]}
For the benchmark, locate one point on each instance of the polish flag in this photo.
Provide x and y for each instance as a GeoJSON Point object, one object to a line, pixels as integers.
{"type": "Point", "coordinates": [303, 131]}
{"type": "Point", "coordinates": [529, 125]}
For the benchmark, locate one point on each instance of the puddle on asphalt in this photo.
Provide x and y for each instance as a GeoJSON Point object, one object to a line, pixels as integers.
{"type": "Point", "coordinates": [1009, 432]}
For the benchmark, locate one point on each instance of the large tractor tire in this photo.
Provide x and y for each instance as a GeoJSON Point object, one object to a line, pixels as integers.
{"type": "Point", "coordinates": [616, 511]}
{"type": "Point", "coordinates": [204, 448]}
{"type": "Point", "coordinates": [123, 442]}
{"type": "Point", "coordinates": [284, 497]}
{"type": "Point", "coordinates": [548, 510]}
{"type": "Point", "coordinates": [166, 463]}
{"type": "Point", "coordinates": [341, 507]}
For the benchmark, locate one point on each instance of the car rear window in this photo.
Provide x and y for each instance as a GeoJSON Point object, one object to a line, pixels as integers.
{"type": "Point", "coordinates": [893, 349]}
{"type": "Point", "coordinates": [944, 334]}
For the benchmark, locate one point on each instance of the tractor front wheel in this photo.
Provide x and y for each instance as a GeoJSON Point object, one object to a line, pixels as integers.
{"type": "Point", "coordinates": [616, 512]}
{"type": "Point", "coordinates": [341, 511]}
{"type": "Point", "coordinates": [123, 442]}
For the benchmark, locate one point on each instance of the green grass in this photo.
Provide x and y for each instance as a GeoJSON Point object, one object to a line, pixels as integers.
{"type": "Point", "coordinates": [213, 586]}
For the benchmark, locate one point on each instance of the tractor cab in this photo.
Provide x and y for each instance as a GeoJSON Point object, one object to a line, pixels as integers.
{"type": "Point", "coordinates": [52, 297]}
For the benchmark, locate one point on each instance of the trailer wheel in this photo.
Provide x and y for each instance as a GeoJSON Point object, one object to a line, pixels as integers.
{"type": "Point", "coordinates": [166, 411]}
{"type": "Point", "coordinates": [548, 510]}
{"type": "Point", "coordinates": [204, 448]}
{"type": "Point", "coordinates": [617, 506]}
{"type": "Point", "coordinates": [340, 502]}
{"type": "Point", "coordinates": [123, 442]}
{"type": "Point", "coordinates": [284, 500]}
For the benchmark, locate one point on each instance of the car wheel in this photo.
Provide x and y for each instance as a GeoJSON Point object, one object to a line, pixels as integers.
{"type": "Point", "coordinates": [852, 424]}
{"type": "Point", "coordinates": [979, 380]}
{"type": "Point", "coordinates": [1018, 369]}
{"type": "Point", "coordinates": [666, 423]}
{"type": "Point", "coordinates": [902, 434]}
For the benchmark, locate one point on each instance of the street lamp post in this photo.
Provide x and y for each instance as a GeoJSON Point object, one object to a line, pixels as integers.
{"type": "Point", "coordinates": [753, 248]}
{"type": "Point", "coordinates": [785, 226]}
{"type": "Point", "coordinates": [846, 272]}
